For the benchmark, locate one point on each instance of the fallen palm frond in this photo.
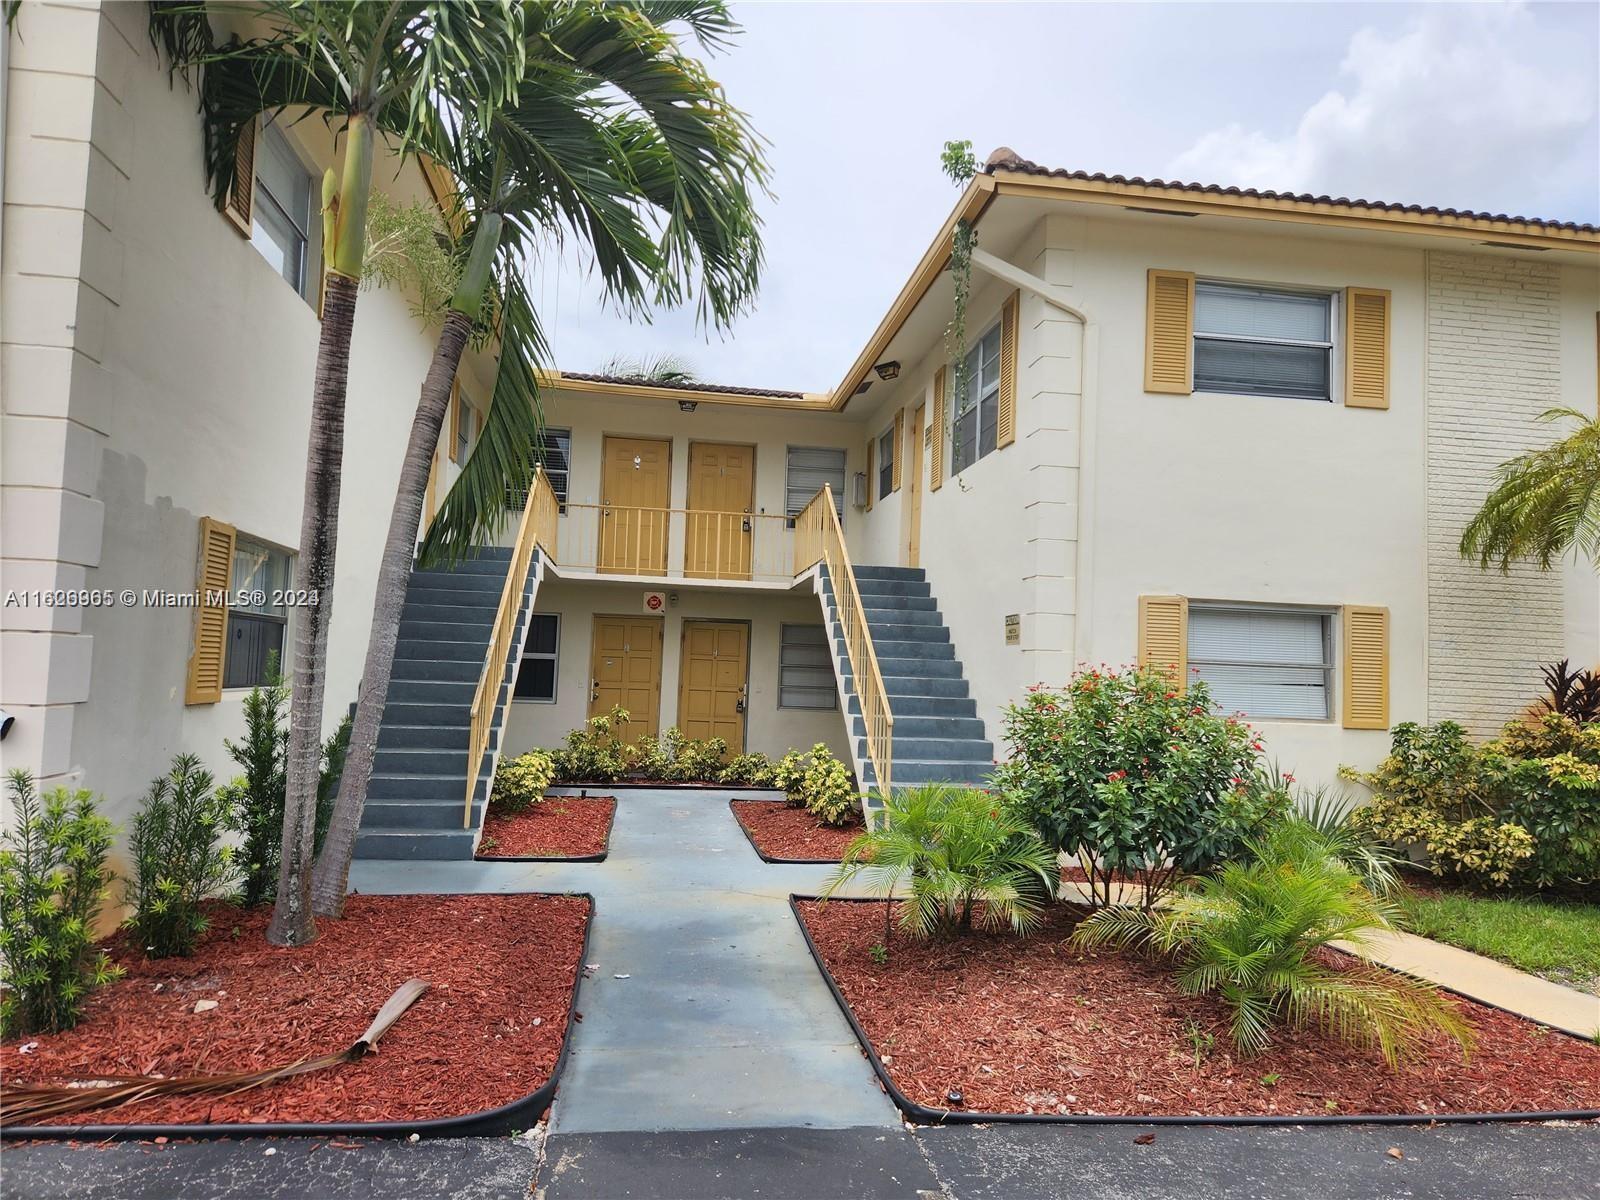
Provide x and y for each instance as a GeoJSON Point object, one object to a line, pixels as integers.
{"type": "Point", "coordinates": [32, 1102]}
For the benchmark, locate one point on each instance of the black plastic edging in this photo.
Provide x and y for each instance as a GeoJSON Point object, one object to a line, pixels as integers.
{"type": "Point", "coordinates": [923, 1115]}
{"type": "Point", "coordinates": [491, 1122]}
{"type": "Point", "coordinates": [561, 858]}
{"type": "Point", "coordinates": [763, 855]}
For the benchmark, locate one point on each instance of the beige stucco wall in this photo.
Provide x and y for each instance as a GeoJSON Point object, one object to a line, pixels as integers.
{"type": "Point", "coordinates": [193, 379]}
{"type": "Point", "coordinates": [769, 729]}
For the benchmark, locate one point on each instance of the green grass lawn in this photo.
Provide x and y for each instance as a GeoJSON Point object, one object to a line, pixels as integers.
{"type": "Point", "coordinates": [1556, 939]}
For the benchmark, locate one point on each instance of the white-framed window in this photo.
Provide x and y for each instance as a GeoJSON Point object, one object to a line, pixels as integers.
{"type": "Point", "coordinates": [886, 453]}
{"type": "Point", "coordinates": [554, 449]}
{"type": "Point", "coordinates": [280, 218]}
{"type": "Point", "coordinates": [1258, 341]}
{"type": "Point", "coordinates": [805, 668]}
{"type": "Point", "coordinates": [976, 420]}
{"type": "Point", "coordinates": [808, 469]}
{"type": "Point", "coordinates": [1263, 661]}
{"type": "Point", "coordinates": [536, 673]}
{"type": "Point", "coordinates": [257, 618]}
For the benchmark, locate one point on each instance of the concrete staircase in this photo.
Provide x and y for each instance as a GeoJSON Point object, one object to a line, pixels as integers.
{"type": "Point", "coordinates": [938, 736]}
{"type": "Point", "coordinates": [419, 774]}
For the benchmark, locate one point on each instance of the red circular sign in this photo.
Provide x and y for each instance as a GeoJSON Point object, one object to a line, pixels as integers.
{"type": "Point", "coordinates": [653, 601]}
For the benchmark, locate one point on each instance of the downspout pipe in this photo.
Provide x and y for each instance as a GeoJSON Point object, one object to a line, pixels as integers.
{"type": "Point", "coordinates": [1088, 392]}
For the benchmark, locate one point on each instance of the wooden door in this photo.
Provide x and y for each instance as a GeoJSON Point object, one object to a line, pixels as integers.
{"type": "Point", "coordinates": [714, 673]}
{"type": "Point", "coordinates": [635, 478]}
{"type": "Point", "coordinates": [913, 453]}
{"type": "Point", "coordinates": [625, 669]}
{"type": "Point", "coordinates": [717, 535]}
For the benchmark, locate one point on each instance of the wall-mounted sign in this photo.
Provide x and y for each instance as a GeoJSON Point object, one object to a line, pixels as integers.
{"type": "Point", "coordinates": [655, 602]}
{"type": "Point", "coordinates": [1013, 629]}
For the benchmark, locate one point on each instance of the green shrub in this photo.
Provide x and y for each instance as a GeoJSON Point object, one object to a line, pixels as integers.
{"type": "Point", "coordinates": [255, 799]}
{"type": "Point", "coordinates": [594, 752]}
{"type": "Point", "coordinates": [1331, 815]}
{"type": "Point", "coordinates": [521, 781]}
{"type": "Point", "coordinates": [961, 857]}
{"type": "Point", "coordinates": [828, 790]}
{"type": "Point", "coordinates": [53, 879]}
{"type": "Point", "coordinates": [789, 773]}
{"type": "Point", "coordinates": [1464, 806]}
{"type": "Point", "coordinates": [1252, 935]}
{"type": "Point", "coordinates": [752, 769]}
{"type": "Point", "coordinates": [1132, 775]}
{"type": "Point", "coordinates": [178, 859]}
{"type": "Point", "coordinates": [1554, 793]}
{"type": "Point", "coordinates": [673, 758]}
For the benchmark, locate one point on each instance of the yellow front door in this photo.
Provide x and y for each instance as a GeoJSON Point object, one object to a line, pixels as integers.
{"type": "Point", "coordinates": [625, 670]}
{"type": "Point", "coordinates": [913, 452]}
{"type": "Point", "coordinates": [635, 478]}
{"type": "Point", "coordinates": [721, 492]}
{"type": "Point", "coordinates": [715, 667]}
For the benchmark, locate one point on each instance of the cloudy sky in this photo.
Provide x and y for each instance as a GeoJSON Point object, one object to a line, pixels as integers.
{"type": "Point", "coordinates": [1469, 106]}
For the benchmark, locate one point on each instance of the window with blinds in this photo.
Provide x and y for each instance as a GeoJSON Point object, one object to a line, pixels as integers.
{"type": "Point", "coordinates": [975, 426]}
{"type": "Point", "coordinates": [886, 457]}
{"type": "Point", "coordinates": [552, 451]}
{"type": "Point", "coordinates": [1252, 341]}
{"type": "Point", "coordinates": [805, 669]}
{"type": "Point", "coordinates": [1264, 662]}
{"type": "Point", "coordinates": [809, 468]}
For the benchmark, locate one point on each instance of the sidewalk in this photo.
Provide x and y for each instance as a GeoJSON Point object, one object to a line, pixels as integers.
{"type": "Point", "coordinates": [704, 1009]}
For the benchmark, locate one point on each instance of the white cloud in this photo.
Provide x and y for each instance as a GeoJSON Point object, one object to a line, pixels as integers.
{"type": "Point", "coordinates": [1460, 108]}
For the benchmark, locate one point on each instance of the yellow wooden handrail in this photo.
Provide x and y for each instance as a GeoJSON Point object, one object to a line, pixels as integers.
{"type": "Point", "coordinates": [818, 537]}
{"type": "Point", "coordinates": [536, 528]}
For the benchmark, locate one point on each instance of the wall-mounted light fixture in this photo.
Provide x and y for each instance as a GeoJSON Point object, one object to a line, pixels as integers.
{"type": "Point", "coordinates": [888, 370]}
{"type": "Point", "coordinates": [688, 405]}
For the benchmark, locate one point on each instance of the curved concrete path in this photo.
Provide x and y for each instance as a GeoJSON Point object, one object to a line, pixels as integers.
{"type": "Point", "coordinates": [721, 1019]}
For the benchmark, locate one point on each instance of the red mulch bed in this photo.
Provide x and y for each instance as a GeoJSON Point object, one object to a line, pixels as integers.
{"type": "Point", "coordinates": [792, 834]}
{"type": "Point", "coordinates": [554, 827]}
{"type": "Point", "coordinates": [487, 1032]}
{"type": "Point", "coordinates": [1031, 1025]}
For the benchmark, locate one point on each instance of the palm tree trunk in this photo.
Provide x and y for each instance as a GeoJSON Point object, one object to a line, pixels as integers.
{"type": "Point", "coordinates": [292, 924]}
{"type": "Point", "coordinates": [332, 872]}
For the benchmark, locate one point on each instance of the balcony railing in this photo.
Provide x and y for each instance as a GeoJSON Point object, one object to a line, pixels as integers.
{"type": "Point", "coordinates": [674, 543]}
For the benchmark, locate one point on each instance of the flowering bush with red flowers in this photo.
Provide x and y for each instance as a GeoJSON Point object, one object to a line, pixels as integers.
{"type": "Point", "coordinates": [1136, 777]}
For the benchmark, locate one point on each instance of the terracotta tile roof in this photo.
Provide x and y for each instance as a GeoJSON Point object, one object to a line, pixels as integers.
{"type": "Point", "coordinates": [1006, 159]}
{"type": "Point", "coordinates": [717, 388]}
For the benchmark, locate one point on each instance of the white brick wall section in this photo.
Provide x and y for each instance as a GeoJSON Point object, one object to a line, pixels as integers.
{"type": "Point", "coordinates": [1493, 367]}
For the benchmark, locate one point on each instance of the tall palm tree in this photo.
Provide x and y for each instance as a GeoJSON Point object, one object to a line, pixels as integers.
{"type": "Point", "coordinates": [1545, 503]}
{"type": "Point", "coordinates": [385, 69]}
{"type": "Point", "coordinates": [621, 142]}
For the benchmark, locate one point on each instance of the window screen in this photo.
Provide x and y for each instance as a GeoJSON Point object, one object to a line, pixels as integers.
{"type": "Point", "coordinates": [1257, 342]}
{"type": "Point", "coordinates": [809, 468]}
{"type": "Point", "coordinates": [281, 214]}
{"type": "Point", "coordinates": [1263, 662]}
{"type": "Point", "coordinates": [805, 669]}
{"type": "Point", "coordinates": [536, 673]}
{"type": "Point", "coordinates": [257, 618]}
{"type": "Point", "coordinates": [977, 415]}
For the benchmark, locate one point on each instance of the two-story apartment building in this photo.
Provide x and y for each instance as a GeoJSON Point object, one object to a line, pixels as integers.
{"type": "Point", "coordinates": [1232, 431]}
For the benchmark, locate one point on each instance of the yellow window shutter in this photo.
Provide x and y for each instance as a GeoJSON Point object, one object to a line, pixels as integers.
{"type": "Point", "coordinates": [455, 420]}
{"type": "Point", "coordinates": [936, 457]}
{"type": "Point", "coordinates": [1164, 635]}
{"type": "Point", "coordinates": [242, 195]}
{"type": "Point", "coordinates": [1169, 333]}
{"type": "Point", "coordinates": [872, 476]}
{"type": "Point", "coordinates": [213, 577]}
{"type": "Point", "coordinates": [1006, 419]}
{"type": "Point", "coordinates": [899, 449]}
{"type": "Point", "coordinates": [1366, 667]}
{"type": "Point", "coordinates": [1366, 332]}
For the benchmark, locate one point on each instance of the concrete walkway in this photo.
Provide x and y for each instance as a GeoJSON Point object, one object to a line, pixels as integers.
{"type": "Point", "coordinates": [704, 1009]}
{"type": "Point", "coordinates": [1485, 979]}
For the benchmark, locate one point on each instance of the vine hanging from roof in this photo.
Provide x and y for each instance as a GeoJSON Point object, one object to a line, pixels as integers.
{"type": "Point", "coordinates": [960, 165]}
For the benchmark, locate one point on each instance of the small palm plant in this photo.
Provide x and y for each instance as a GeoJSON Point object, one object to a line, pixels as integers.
{"type": "Point", "coordinates": [1252, 934]}
{"type": "Point", "coordinates": [1327, 811]}
{"type": "Point", "coordinates": [963, 859]}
